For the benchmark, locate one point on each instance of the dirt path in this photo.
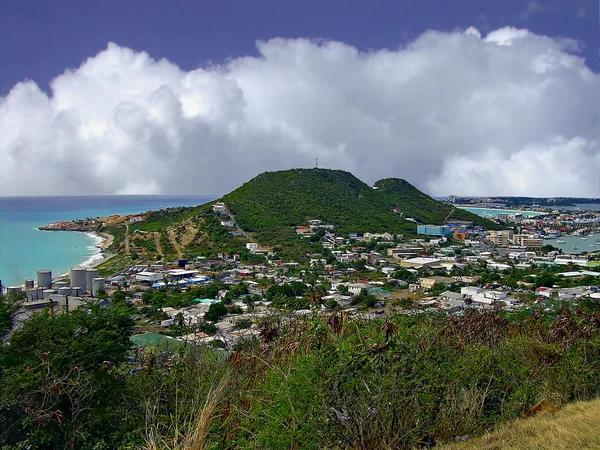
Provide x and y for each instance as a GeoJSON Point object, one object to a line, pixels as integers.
{"type": "Point", "coordinates": [157, 244]}
{"type": "Point", "coordinates": [173, 240]}
{"type": "Point", "coordinates": [126, 240]}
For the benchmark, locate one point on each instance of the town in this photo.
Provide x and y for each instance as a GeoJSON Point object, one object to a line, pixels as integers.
{"type": "Point", "coordinates": [222, 300]}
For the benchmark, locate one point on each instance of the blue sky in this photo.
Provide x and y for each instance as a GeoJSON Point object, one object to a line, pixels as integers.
{"type": "Point", "coordinates": [465, 97]}
{"type": "Point", "coordinates": [40, 39]}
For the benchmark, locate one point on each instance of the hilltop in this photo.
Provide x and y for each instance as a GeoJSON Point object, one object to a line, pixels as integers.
{"type": "Point", "coordinates": [291, 197]}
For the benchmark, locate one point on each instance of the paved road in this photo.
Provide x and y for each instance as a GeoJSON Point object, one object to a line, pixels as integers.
{"type": "Point", "coordinates": [237, 227]}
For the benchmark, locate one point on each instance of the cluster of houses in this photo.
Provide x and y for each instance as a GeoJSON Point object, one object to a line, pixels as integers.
{"type": "Point", "coordinates": [438, 256]}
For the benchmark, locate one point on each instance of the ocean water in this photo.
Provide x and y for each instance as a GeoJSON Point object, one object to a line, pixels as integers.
{"type": "Point", "coordinates": [24, 249]}
{"type": "Point", "coordinates": [576, 244]}
{"type": "Point", "coordinates": [492, 212]}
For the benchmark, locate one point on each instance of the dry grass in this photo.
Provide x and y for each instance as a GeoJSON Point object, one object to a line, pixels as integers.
{"type": "Point", "coordinates": [188, 434]}
{"type": "Point", "coordinates": [573, 427]}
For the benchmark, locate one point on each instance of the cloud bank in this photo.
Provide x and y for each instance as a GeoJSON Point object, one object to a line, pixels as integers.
{"type": "Point", "coordinates": [510, 113]}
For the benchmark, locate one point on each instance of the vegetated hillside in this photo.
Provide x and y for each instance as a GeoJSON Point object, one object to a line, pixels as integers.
{"type": "Point", "coordinates": [291, 197]}
{"type": "Point", "coordinates": [422, 207]}
{"type": "Point", "coordinates": [269, 205]}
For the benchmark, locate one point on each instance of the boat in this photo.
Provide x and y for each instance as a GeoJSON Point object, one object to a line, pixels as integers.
{"type": "Point", "coordinates": [575, 248]}
{"type": "Point", "coordinates": [592, 245]}
{"type": "Point", "coordinates": [583, 238]}
{"type": "Point", "coordinates": [560, 241]}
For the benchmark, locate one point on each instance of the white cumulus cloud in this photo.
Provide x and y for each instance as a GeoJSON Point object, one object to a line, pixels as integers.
{"type": "Point", "coordinates": [510, 113]}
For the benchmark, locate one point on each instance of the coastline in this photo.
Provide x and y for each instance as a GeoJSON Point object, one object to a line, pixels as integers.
{"type": "Point", "coordinates": [102, 241]}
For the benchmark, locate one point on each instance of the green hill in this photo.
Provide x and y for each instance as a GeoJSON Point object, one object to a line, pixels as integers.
{"type": "Point", "coordinates": [291, 197]}
{"type": "Point", "coordinates": [270, 205]}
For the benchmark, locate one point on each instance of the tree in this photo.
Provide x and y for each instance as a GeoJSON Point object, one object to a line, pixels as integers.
{"type": "Point", "coordinates": [58, 383]}
{"type": "Point", "coordinates": [9, 306]}
{"type": "Point", "coordinates": [365, 299]}
{"type": "Point", "coordinates": [332, 305]}
{"type": "Point", "coordinates": [119, 297]}
{"type": "Point", "coordinates": [216, 312]}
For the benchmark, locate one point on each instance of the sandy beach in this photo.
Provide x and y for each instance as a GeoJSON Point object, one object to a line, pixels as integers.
{"type": "Point", "coordinates": [108, 240]}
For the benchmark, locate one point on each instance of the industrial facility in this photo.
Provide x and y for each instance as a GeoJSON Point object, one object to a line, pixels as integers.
{"type": "Point", "coordinates": [82, 281]}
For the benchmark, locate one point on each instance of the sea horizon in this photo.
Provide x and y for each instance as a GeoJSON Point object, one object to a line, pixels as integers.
{"type": "Point", "coordinates": [24, 249]}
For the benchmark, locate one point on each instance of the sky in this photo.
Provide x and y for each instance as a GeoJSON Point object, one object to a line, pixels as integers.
{"type": "Point", "coordinates": [148, 97]}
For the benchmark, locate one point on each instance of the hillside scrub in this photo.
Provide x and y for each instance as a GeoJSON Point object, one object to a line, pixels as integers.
{"type": "Point", "coordinates": [312, 382]}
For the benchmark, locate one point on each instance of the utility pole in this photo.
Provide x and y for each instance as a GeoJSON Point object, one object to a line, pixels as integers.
{"type": "Point", "coordinates": [316, 163]}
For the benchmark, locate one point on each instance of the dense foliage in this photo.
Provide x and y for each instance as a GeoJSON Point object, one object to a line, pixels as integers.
{"type": "Point", "coordinates": [291, 197]}
{"type": "Point", "coordinates": [59, 379]}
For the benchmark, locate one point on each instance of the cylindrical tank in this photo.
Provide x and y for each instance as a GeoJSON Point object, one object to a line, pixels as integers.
{"type": "Point", "coordinates": [77, 276]}
{"type": "Point", "coordinates": [44, 279]}
{"type": "Point", "coordinates": [64, 290]}
{"type": "Point", "coordinates": [32, 294]}
{"type": "Point", "coordinates": [97, 284]}
{"type": "Point", "coordinates": [14, 289]}
{"type": "Point", "coordinates": [48, 293]}
{"type": "Point", "coordinates": [182, 263]}
{"type": "Point", "coordinates": [90, 274]}
{"type": "Point", "coordinates": [76, 290]}
{"type": "Point", "coordinates": [60, 284]}
{"type": "Point", "coordinates": [29, 284]}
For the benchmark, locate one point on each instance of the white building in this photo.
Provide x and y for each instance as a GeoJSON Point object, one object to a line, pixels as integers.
{"type": "Point", "coordinates": [148, 277]}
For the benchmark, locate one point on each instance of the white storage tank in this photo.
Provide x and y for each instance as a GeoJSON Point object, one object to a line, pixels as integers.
{"type": "Point", "coordinates": [48, 293]}
{"type": "Point", "coordinates": [77, 276]}
{"type": "Point", "coordinates": [90, 274]}
{"type": "Point", "coordinates": [60, 284]}
{"type": "Point", "coordinates": [44, 279]}
{"type": "Point", "coordinates": [32, 294]}
{"type": "Point", "coordinates": [29, 284]}
{"type": "Point", "coordinates": [14, 289]}
{"type": "Point", "coordinates": [76, 290]}
{"type": "Point", "coordinates": [64, 290]}
{"type": "Point", "coordinates": [97, 284]}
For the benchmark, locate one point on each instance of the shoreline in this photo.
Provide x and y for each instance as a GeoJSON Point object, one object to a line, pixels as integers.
{"type": "Point", "coordinates": [102, 241]}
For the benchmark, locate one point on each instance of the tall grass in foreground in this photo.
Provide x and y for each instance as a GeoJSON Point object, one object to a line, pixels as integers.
{"type": "Point", "coordinates": [393, 383]}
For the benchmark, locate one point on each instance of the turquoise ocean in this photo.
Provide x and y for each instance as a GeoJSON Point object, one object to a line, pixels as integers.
{"type": "Point", "coordinates": [24, 249]}
{"type": "Point", "coordinates": [493, 212]}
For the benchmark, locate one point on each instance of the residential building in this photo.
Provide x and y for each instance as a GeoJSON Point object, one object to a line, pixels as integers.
{"type": "Point", "coordinates": [371, 236]}
{"type": "Point", "coordinates": [528, 241]}
{"type": "Point", "coordinates": [429, 282]}
{"type": "Point", "coordinates": [419, 263]}
{"type": "Point", "coordinates": [503, 237]}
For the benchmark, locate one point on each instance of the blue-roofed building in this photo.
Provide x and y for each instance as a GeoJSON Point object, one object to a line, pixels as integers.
{"type": "Point", "coordinates": [434, 230]}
